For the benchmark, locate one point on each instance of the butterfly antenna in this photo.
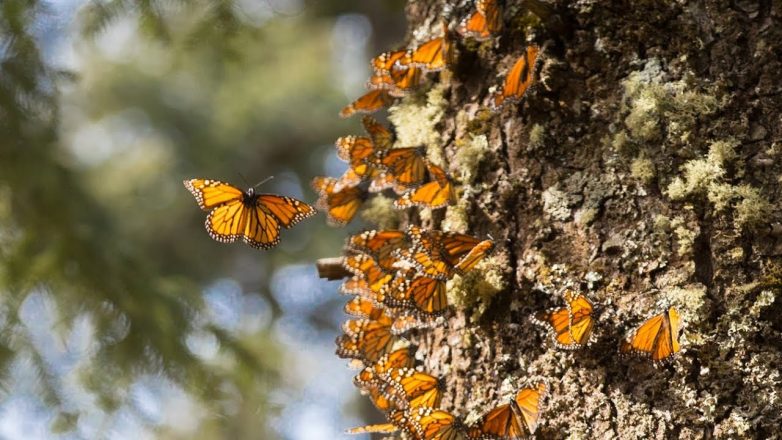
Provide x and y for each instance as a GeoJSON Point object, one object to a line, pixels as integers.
{"type": "Point", "coordinates": [263, 181]}
{"type": "Point", "coordinates": [246, 182]}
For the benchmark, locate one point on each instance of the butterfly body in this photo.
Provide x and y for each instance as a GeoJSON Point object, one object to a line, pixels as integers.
{"type": "Point", "coordinates": [252, 217]}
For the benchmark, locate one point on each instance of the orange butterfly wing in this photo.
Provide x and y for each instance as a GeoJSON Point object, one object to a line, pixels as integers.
{"type": "Point", "coordinates": [211, 193]}
{"type": "Point", "coordinates": [528, 401]}
{"type": "Point", "coordinates": [436, 194]}
{"type": "Point", "coordinates": [571, 326]}
{"type": "Point", "coordinates": [437, 424]}
{"type": "Point", "coordinates": [369, 102]}
{"type": "Point", "coordinates": [380, 428]}
{"type": "Point", "coordinates": [254, 218]}
{"type": "Point", "coordinates": [484, 22]}
{"type": "Point", "coordinates": [519, 79]}
{"type": "Point", "coordinates": [657, 338]}
{"type": "Point", "coordinates": [366, 339]}
{"type": "Point", "coordinates": [412, 388]}
{"type": "Point", "coordinates": [429, 56]}
{"type": "Point", "coordinates": [406, 166]}
{"type": "Point", "coordinates": [340, 203]}
{"type": "Point", "coordinates": [382, 137]}
{"type": "Point", "coordinates": [380, 245]}
{"type": "Point", "coordinates": [386, 61]}
{"type": "Point", "coordinates": [426, 295]}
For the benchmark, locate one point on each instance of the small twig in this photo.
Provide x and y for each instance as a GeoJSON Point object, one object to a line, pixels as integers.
{"type": "Point", "coordinates": [331, 268]}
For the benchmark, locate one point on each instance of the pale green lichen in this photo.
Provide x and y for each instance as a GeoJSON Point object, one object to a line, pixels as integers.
{"type": "Point", "coordinates": [662, 223]}
{"type": "Point", "coordinates": [620, 141]}
{"type": "Point", "coordinates": [380, 212]}
{"type": "Point", "coordinates": [699, 174]}
{"type": "Point", "coordinates": [685, 235]}
{"type": "Point", "coordinates": [469, 154]}
{"type": "Point", "coordinates": [753, 209]}
{"type": "Point", "coordinates": [476, 288]}
{"type": "Point", "coordinates": [656, 107]}
{"type": "Point", "coordinates": [688, 301]}
{"type": "Point", "coordinates": [415, 119]}
{"type": "Point", "coordinates": [764, 299]}
{"type": "Point", "coordinates": [537, 137]}
{"type": "Point", "coordinates": [643, 169]}
{"type": "Point", "coordinates": [456, 217]}
{"type": "Point", "coordinates": [704, 176]}
{"type": "Point", "coordinates": [556, 203]}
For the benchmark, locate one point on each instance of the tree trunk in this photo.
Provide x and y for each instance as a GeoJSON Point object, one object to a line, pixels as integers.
{"type": "Point", "coordinates": [642, 170]}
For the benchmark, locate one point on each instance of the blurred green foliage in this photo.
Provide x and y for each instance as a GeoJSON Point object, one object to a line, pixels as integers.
{"type": "Point", "coordinates": [92, 208]}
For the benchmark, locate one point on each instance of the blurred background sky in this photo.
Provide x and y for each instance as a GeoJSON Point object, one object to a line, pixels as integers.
{"type": "Point", "coordinates": [119, 316]}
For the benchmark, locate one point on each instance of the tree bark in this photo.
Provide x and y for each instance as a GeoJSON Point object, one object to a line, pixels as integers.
{"type": "Point", "coordinates": [642, 170]}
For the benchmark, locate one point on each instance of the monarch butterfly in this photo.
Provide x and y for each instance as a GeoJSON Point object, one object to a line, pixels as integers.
{"type": "Point", "coordinates": [364, 267]}
{"type": "Point", "coordinates": [411, 388]}
{"type": "Point", "coordinates": [369, 376]}
{"type": "Point", "coordinates": [519, 78]}
{"type": "Point", "coordinates": [436, 424]}
{"type": "Point", "coordinates": [366, 339]}
{"type": "Point", "coordinates": [656, 339]}
{"type": "Point", "coordinates": [380, 428]}
{"type": "Point", "coordinates": [356, 150]}
{"type": "Point", "coordinates": [340, 202]}
{"type": "Point", "coordinates": [398, 82]}
{"type": "Point", "coordinates": [485, 22]}
{"type": "Point", "coordinates": [425, 295]}
{"type": "Point", "coordinates": [369, 102]}
{"type": "Point", "coordinates": [359, 286]}
{"type": "Point", "coordinates": [570, 327]}
{"type": "Point", "coordinates": [431, 56]}
{"type": "Point", "coordinates": [386, 61]}
{"type": "Point", "coordinates": [517, 419]}
{"type": "Point", "coordinates": [405, 322]}
{"type": "Point", "coordinates": [439, 254]}
{"type": "Point", "coordinates": [363, 308]}
{"type": "Point", "coordinates": [380, 245]}
{"type": "Point", "coordinates": [235, 214]}
{"type": "Point", "coordinates": [405, 167]}
{"type": "Point", "coordinates": [382, 137]}
{"type": "Point", "coordinates": [436, 194]}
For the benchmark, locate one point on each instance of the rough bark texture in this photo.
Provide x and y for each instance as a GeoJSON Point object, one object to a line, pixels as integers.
{"type": "Point", "coordinates": [643, 169]}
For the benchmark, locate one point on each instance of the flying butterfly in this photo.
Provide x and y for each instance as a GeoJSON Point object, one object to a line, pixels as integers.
{"type": "Point", "coordinates": [519, 78]}
{"type": "Point", "coordinates": [656, 339]}
{"type": "Point", "coordinates": [571, 326]}
{"type": "Point", "coordinates": [484, 23]}
{"type": "Point", "coordinates": [340, 202]}
{"type": "Point", "coordinates": [438, 193]}
{"type": "Point", "coordinates": [515, 420]}
{"type": "Point", "coordinates": [254, 218]}
{"type": "Point", "coordinates": [369, 102]}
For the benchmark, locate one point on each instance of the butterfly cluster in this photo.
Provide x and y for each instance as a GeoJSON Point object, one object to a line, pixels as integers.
{"type": "Point", "coordinates": [399, 72]}
{"type": "Point", "coordinates": [399, 285]}
{"type": "Point", "coordinates": [570, 328]}
{"type": "Point", "coordinates": [376, 166]}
